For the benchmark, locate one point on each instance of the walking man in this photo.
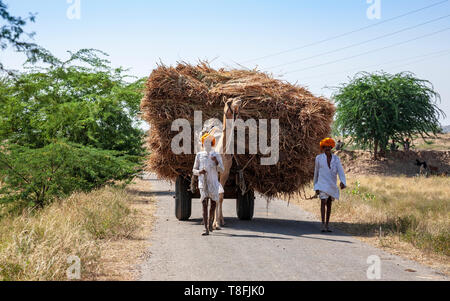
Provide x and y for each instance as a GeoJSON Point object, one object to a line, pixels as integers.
{"type": "Point", "coordinates": [328, 166]}
{"type": "Point", "coordinates": [207, 165]}
{"type": "Point", "coordinates": [406, 145]}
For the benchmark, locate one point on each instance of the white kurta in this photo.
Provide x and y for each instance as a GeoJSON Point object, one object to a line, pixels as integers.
{"type": "Point", "coordinates": [325, 178]}
{"type": "Point", "coordinates": [208, 184]}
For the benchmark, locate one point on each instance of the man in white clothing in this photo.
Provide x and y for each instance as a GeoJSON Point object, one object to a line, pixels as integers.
{"type": "Point", "coordinates": [207, 165]}
{"type": "Point", "coordinates": [328, 166]}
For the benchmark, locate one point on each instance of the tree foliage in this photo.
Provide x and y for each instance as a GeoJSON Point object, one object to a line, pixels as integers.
{"type": "Point", "coordinates": [38, 175]}
{"type": "Point", "coordinates": [65, 125]}
{"type": "Point", "coordinates": [68, 125]}
{"type": "Point", "coordinates": [12, 34]}
{"type": "Point", "coordinates": [375, 108]}
{"type": "Point", "coordinates": [82, 100]}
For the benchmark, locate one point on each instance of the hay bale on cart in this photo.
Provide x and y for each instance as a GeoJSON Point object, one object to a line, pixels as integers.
{"type": "Point", "coordinates": [177, 92]}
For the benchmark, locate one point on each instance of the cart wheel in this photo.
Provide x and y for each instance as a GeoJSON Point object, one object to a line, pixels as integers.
{"type": "Point", "coordinates": [183, 199]}
{"type": "Point", "coordinates": [245, 205]}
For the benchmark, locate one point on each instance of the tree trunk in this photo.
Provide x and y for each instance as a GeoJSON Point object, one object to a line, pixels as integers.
{"type": "Point", "coordinates": [382, 151]}
{"type": "Point", "coordinates": [375, 152]}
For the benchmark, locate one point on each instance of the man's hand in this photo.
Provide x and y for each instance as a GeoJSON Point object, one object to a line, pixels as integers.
{"type": "Point", "coordinates": [215, 160]}
{"type": "Point", "coordinates": [343, 186]}
{"type": "Point", "coordinates": [317, 192]}
{"type": "Point", "coordinates": [203, 172]}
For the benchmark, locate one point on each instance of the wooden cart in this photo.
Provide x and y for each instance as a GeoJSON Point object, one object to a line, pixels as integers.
{"type": "Point", "coordinates": [183, 197]}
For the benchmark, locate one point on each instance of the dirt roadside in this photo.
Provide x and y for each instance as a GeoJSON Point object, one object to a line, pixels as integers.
{"type": "Point", "coordinates": [120, 258]}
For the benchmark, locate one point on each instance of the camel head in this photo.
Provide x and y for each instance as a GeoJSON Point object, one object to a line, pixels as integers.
{"type": "Point", "coordinates": [235, 105]}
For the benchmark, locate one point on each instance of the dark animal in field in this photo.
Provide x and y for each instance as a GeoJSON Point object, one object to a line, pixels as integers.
{"type": "Point", "coordinates": [426, 169]}
{"type": "Point", "coordinates": [340, 145]}
{"type": "Point", "coordinates": [420, 163]}
{"type": "Point", "coordinates": [423, 171]}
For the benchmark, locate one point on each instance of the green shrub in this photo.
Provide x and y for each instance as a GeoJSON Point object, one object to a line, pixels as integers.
{"type": "Point", "coordinates": [81, 100]}
{"type": "Point", "coordinates": [36, 176]}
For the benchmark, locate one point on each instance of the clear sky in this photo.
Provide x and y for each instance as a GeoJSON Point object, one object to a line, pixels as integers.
{"type": "Point", "coordinates": [139, 33]}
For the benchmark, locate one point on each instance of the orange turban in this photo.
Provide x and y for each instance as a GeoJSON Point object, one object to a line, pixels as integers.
{"type": "Point", "coordinates": [327, 142]}
{"type": "Point", "coordinates": [206, 136]}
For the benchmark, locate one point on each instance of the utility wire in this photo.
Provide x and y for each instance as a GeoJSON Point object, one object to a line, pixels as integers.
{"type": "Point", "coordinates": [345, 34]}
{"type": "Point", "coordinates": [414, 62]}
{"type": "Point", "coordinates": [419, 61]}
{"type": "Point", "coordinates": [359, 43]}
{"type": "Point", "coordinates": [369, 52]}
{"type": "Point", "coordinates": [422, 57]}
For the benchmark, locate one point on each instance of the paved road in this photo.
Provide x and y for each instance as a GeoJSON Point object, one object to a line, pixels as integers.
{"type": "Point", "coordinates": [281, 243]}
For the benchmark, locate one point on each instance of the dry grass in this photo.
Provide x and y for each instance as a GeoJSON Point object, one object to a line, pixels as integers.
{"type": "Point", "coordinates": [120, 258]}
{"type": "Point", "coordinates": [36, 245]}
{"type": "Point", "coordinates": [441, 142]}
{"type": "Point", "coordinates": [412, 213]}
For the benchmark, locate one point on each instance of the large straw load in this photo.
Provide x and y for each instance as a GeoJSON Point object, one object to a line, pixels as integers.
{"type": "Point", "coordinates": [176, 92]}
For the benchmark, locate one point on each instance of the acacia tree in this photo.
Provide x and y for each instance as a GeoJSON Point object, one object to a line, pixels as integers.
{"type": "Point", "coordinates": [65, 125]}
{"type": "Point", "coordinates": [82, 100]}
{"type": "Point", "coordinates": [68, 125]}
{"type": "Point", "coordinates": [376, 107]}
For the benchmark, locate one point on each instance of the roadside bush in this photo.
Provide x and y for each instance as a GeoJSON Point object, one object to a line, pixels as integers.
{"type": "Point", "coordinates": [36, 176]}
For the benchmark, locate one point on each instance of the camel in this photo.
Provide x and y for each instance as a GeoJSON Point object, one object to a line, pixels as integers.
{"type": "Point", "coordinates": [231, 111]}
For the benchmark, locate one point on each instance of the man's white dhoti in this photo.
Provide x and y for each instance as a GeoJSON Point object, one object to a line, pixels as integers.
{"type": "Point", "coordinates": [208, 184]}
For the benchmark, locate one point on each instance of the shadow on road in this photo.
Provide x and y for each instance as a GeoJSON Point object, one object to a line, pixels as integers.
{"type": "Point", "coordinates": [150, 193]}
{"type": "Point", "coordinates": [263, 226]}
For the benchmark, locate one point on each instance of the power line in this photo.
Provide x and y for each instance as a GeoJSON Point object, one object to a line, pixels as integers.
{"type": "Point", "coordinates": [422, 60]}
{"type": "Point", "coordinates": [368, 52]}
{"type": "Point", "coordinates": [422, 57]}
{"type": "Point", "coordinates": [358, 44]}
{"type": "Point", "coordinates": [345, 34]}
{"type": "Point", "coordinates": [418, 61]}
